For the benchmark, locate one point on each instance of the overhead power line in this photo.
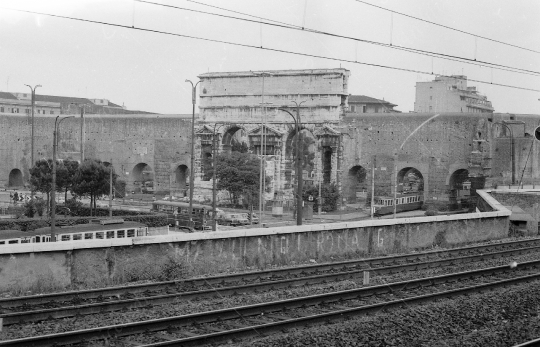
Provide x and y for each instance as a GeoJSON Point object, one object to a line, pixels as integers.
{"type": "Point", "coordinates": [253, 46]}
{"type": "Point", "coordinates": [448, 27]}
{"type": "Point", "coordinates": [284, 25]}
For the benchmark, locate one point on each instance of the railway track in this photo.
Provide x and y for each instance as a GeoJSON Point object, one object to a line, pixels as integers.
{"type": "Point", "coordinates": [39, 308]}
{"type": "Point", "coordinates": [253, 320]}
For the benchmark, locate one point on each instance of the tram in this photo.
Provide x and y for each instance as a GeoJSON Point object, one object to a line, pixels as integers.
{"type": "Point", "coordinates": [178, 214]}
{"type": "Point", "coordinates": [97, 229]}
{"type": "Point", "coordinates": [404, 202]}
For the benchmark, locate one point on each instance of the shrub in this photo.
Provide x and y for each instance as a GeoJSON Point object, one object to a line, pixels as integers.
{"type": "Point", "coordinates": [431, 213]}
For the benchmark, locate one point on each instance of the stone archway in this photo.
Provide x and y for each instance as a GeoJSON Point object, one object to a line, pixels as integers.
{"type": "Point", "coordinates": [142, 178]}
{"type": "Point", "coordinates": [235, 139]}
{"type": "Point", "coordinates": [459, 189]}
{"type": "Point", "coordinates": [15, 178]}
{"type": "Point", "coordinates": [356, 185]}
{"type": "Point", "coordinates": [181, 175]}
{"type": "Point", "coordinates": [410, 180]}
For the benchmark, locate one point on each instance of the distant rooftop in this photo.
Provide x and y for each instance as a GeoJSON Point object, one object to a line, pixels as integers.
{"type": "Point", "coordinates": [5, 95]}
{"type": "Point", "coordinates": [368, 100]}
{"type": "Point", "coordinates": [69, 104]}
{"type": "Point", "coordinates": [275, 72]}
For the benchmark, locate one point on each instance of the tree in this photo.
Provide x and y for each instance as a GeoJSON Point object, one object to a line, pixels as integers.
{"type": "Point", "coordinates": [237, 146]}
{"type": "Point", "coordinates": [238, 173]}
{"type": "Point", "coordinates": [41, 177]}
{"type": "Point", "coordinates": [92, 180]}
{"type": "Point", "coordinates": [64, 178]}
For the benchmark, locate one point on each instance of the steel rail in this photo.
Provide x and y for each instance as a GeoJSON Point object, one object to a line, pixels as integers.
{"type": "Point", "coordinates": [93, 308]}
{"type": "Point", "coordinates": [253, 275]}
{"type": "Point", "coordinates": [264, 308]}
{"type": "Point", "coordinates": [283, 325]}
{"type": "Point", "coordinates": [535, 342]}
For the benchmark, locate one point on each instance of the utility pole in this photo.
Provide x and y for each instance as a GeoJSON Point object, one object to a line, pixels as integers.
{"type": "Point", "coordinates": [110, 189]}
{"type": "Point", "coordinates": [82, 134]}
{"type": "Point", "coordinates": [33, 90]}
{"type": "Point", "coordinates": [192, 168]}
{"type": "Point", "coordinates": [299, 177]}
{"type": "Point", "coordinates": [374, 163]}
{"type": "Point", "coordinates": [53, 185]}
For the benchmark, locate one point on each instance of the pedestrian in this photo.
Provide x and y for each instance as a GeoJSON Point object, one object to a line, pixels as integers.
{"type": "Point", "coordinates": [15, 197]}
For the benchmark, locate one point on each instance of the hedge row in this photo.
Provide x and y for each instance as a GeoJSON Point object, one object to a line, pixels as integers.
{"type": "Point", "coordinates": [504, 317]}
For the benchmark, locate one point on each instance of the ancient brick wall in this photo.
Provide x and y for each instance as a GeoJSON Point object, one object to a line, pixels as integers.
{"type": "Point", "coordinates": [161, 141]}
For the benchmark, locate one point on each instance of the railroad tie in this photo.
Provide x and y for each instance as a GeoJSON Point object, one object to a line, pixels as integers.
{"type": "Point", "coordinates": [166, 336]}
{"type": "Point", "coordinates": [276, 316]}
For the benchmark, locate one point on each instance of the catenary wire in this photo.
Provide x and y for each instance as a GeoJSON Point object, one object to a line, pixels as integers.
{"type": "Point", "coordinates": [447, 27]}
{"type": "Point", "coordinates": [392, 46]}
{"type": "Point", "coordinates": [257, 47]}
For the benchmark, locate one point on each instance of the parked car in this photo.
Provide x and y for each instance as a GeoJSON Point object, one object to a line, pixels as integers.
{"type": "Point", "coordinates": [233, 219]}
{"type": "Point", "coordinates": [248, 217]}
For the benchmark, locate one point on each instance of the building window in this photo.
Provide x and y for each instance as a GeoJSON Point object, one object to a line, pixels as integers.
{"type": "Point", "coordinates": [1, 109]}
{"type": "Point", "coordinates": [52, 112]}
{"type": "Point", "coordinates": [353, 108]}
{"type": "Point", "coordinates": [430, 108]}
{"type": "Point", "coordinates": [27, 111]}
{"type": "Point", "coordinates": [364, 108]}
{"type": "Point", "coordinates": [430, 97]}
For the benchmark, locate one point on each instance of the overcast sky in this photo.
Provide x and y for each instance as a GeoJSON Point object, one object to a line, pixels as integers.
{"type": "Point", "coordinates": [146, 71]}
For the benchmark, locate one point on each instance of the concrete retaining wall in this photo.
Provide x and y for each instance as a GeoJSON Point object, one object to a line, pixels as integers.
{"type": "Point", "coordinates": [60, 265]}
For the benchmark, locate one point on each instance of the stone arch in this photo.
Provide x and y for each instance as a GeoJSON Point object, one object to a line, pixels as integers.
{"type": "Point", "coordinates": [356, 184]}
{"type": "Point", "coordinates": [458, 192]}
{"type": "Point", "coordinates": [410, 179]}
{"type": "Point", "coordinates": [15, 178]}
{"type": "Point", "coordinates": [142, 175]}
{"type": "Point", "coordinates": [456, 179]}
{"type": "Point", "coordinates": [232, 136]}
{"type": "Point", "coordinates": [181, 174]}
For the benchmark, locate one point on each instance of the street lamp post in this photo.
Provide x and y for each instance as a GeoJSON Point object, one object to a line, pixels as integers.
{"type": "Point", "coordinates": [192, 171]}
{"type": "Point", "coordinates": [512, 154]}
{"type": "Point", "coordinates": [214, 188]}
{"type": "Point", "coordinates": [53, 185]}
{"type": "Point", "coordinates": [262, 176]}
{"type": "Point", "coordinates": [32, 127]}
{"type": "Point", "coordinates": [299, 178]}
{"type": "Point", "coordinates": [82, 106]}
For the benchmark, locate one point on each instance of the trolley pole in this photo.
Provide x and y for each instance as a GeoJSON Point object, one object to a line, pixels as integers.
{"type": "Point", "coordinates": [192, 168]}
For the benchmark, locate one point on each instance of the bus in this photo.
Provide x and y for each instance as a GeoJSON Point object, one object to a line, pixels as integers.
{"type": "Point", "coordinates": [178, 214]}
{"type": "Point", "coordinates": [404, 202]}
